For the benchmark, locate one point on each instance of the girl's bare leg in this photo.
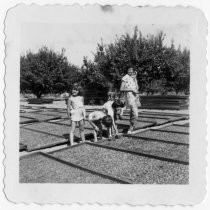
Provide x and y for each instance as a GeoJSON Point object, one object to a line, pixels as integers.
{"type": "Point", "coordinates": [82, 131]}
{"type": "Point", "coordinates": [71, 135]}
{"type": "Point", "coordinates": [95, 136]}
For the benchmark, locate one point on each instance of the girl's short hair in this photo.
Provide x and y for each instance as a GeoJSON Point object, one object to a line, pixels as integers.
{"type": "Point", "coordinates": [77, 87]}
{"type": "Point", "coordinates": [107, 121]}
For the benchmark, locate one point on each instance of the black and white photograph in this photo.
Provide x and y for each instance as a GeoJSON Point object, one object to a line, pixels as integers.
{"type": "Point", "coordinates": [105, 96]}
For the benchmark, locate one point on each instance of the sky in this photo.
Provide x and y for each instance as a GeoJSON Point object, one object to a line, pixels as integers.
{"type": "Point", "coordinates": [80, 39]}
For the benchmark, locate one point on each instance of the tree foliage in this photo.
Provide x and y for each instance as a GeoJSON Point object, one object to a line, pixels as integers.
{"type": "Point", "coordinates": [46, 72]}
{"type": "Point", "coordinates": [95, 83]}
{"type": "Point", "coordinates": [160, 68]}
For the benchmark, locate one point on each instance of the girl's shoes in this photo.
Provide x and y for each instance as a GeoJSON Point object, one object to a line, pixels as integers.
{"type": "Point", "coordinates": [69, 144]}
{"type": "Point", "coordinates": [130, 130]}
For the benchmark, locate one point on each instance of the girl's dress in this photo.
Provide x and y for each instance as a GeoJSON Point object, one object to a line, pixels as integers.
{"type": "Point", "coordinates": [78, 109]}
{"type": "Point", "coordinates": [131, 99]}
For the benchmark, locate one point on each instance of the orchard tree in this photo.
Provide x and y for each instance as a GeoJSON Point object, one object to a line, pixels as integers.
{"type": "Point", "coordinates": [182, 76]}
{"type": "Point", "coordinates": [93, 81]}
{"type": "Point", "coordinates": [46, 72]}
{"type": "Point", "coordinates": [160, 68]}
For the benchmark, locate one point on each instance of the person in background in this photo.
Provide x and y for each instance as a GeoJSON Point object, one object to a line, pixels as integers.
{"type": "Point", "coordinates": [129, 88]}
{"type": "Point", "coordinates": [76, 112]}
{"type": "Point", "coordinates": [65, 96]}
{"type": "Point", "coordinates": [118, 107]}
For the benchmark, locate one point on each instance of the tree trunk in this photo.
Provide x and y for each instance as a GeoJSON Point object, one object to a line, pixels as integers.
{"type": "Point", "coordinates": [38, 94]}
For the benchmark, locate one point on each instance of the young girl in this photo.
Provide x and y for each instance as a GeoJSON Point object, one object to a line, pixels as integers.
{"type": "Point", "coordinates": [76, 112]}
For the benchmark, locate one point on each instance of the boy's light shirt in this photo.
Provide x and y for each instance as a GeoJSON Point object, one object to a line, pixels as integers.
{"type": "Point", "coordinates": [108, 107]}
{"type": "Point", "coordinates": [96, 115]}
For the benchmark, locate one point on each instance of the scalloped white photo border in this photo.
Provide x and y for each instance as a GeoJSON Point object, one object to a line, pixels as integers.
{"type": "Point", "coordinates": [97, 193]}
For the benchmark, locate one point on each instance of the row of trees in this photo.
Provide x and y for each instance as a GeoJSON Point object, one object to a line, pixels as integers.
{"type": "Point", "coordinates": [160, 68]}
{"type": "Point", "coordinates": [46, 72]}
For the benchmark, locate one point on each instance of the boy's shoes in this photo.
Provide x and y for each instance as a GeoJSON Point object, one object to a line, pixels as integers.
{"type": "Point", "coordinates": [117, 137]}
{"type": "Point", "coordinates": [100, 137]}
{"type": "Point", "coordinates": [111, 138]}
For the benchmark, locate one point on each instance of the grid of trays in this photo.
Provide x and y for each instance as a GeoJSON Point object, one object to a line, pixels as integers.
{"type": "Point", "coordinates": [31, 171]}
{"type": "Point", "coordinates": [162, 136]}
{"type": "Point", "coordinates": [24, 120]}
{"type": "Point", "coordinates": [175, 129]}
{"type": "Point", "coordinates": [46, 134]}
{"type": "Point", "coordinates": [123, 161]}
{"type": "Point", "coordinates": [149, 119]}
{"type": "Point", "coordinates": [155, 156]}
{"type": "Point", "coordinates": [40, 114]}
{"type": "Point", "coordinates": [36, 140]}
{"type": "Point", "coordinates": [124, 165]}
